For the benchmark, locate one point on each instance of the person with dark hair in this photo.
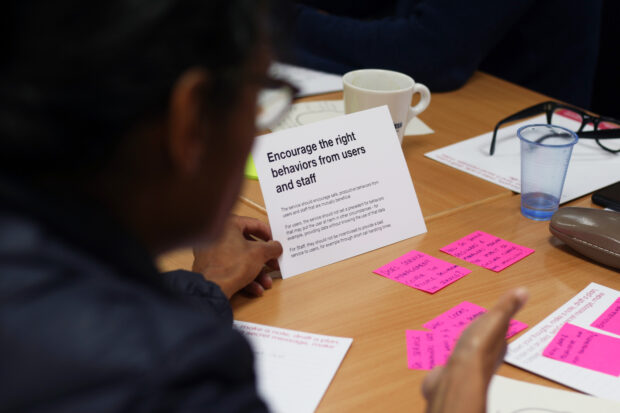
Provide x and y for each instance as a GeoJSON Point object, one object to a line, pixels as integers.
{"type": "Point", "coordinates": [124, 127]}
{"type": "Point", "coordinates": [123, 131]}
{"type": "Point", "coordinates": [547, 46]}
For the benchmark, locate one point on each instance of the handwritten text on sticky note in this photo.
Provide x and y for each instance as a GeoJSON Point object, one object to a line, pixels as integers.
{"type": "Point", "coordinates": [422, 271]}
{"type": "Point", "coordinates": [487, 251]}
{"type": "Point", "coordinates": [610, 319]}
{"type": "Point", "coordinates": [584, 348]}
{"type": "Point", "coordinates": [460, 316]}
{"type": "Point", "coordinates": [427, 349]}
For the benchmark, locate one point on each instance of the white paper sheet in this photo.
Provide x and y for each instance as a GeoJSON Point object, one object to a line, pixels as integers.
{"type": "Point", "coordinates": [304, 113]}
{"type": "Point", "coordinates": [341, 200]}
{"type": "Point", "coordinates": [581, 310]}
{"type": "Point", "coordinates": [293, 368]}
{"type": "Point", "coordinates": [309, 81]}
{"type": "Point", "coordinates": [590, 167]}
{"type": "Point", "coordinates": [515, 396]}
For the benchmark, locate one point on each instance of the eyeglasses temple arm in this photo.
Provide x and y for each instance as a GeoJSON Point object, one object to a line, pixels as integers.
{"type": "Point", "coordinates": [600, 134]}
{"type": "Point", "coordinates": [525, 113]}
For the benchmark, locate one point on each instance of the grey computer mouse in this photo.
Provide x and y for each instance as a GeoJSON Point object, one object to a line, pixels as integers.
{"type": "Point", "coordinates": [594, 233]}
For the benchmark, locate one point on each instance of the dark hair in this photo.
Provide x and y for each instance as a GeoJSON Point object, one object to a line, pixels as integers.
{"type": "Point", "coordinates": [75, 75]}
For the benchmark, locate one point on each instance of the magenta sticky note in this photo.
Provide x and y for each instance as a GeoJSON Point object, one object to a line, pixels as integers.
{"type": "Point", "coordinates": [427, 349]}
{"type": "Point", "coordinates": [459, 317]}
{"type": "Point", "coordinates": [514, 327]}
{"type": "Point", "coordinates": [610, 319]}
{"type": "Point", "coordinates": [585, 348]}
{"type": "Point", "coordinates": [487, 251]}
{"type": "Point", "coordinates": [422, 271]}
{"type": "Point", "coordinates": [420, 350]}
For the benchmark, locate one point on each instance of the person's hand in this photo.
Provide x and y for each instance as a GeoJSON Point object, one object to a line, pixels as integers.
{"type": "Point", "coordinates": [461, 386]}
{"type": "Point", "coordinates": [237, 261]}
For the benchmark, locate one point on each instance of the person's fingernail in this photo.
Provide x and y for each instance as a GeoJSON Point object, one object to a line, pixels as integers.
{"type": "Point", "coordinates": [275, 274]}
{"type": "Point", "coordinates": [522, 295]}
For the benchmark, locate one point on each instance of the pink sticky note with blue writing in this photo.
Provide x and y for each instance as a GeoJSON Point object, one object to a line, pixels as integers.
{"type": "Point", "coordinates": [487, 251]}
{"type": "Point", "coordinates": [610, 319]}
{"type": "Point", "coordinates": [422, 271]}
{"type": "Point", "coordinates": [459, 317]}
{"type": "Point", "coordinates": [585, 348]}
{"type": "Point", "coordinates": [427, 349]}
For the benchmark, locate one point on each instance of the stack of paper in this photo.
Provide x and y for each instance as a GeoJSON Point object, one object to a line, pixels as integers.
{"type": "Point", "coordinates": [309, 81]}
{"type": "Point", "coordinates": [567, 347]}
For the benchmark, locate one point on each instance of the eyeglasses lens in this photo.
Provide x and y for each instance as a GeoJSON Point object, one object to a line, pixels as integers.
{"type": "Point", "coordinates": [567, 114]}
{"type": "Point", "coordinates": [609, 144]}
{"type": "Point", "coordinates": [612, 145]}
{"type": "Point", "coordinates": [273, 104]}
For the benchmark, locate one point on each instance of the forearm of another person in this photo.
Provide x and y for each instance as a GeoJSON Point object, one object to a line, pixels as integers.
{"type": "Point", "coordinates": [461, 386]}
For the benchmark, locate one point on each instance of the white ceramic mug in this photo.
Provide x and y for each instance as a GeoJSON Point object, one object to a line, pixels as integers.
{"type": "Point", "coordinates": [369, 88]}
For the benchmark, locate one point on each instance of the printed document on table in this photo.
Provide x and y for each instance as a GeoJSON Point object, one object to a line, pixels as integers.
{"type": "Point", "coordinates": [293, 368]}
{"type": "Point", "coordinates": [514, 396]}
{"type": "Point", "coordinates": [582, 310]}
{"type": "Point", "coordinates": [590, 167]}
{"type": "Point", "coordinates": [309, 81]}
{"type": "Point", "coordinates": [304, 113]}
{"type": "Point", "coordinates": [336, 189]}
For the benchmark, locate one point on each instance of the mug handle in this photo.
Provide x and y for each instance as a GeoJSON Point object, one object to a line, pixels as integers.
{"type": "Point", "coordinates": [425, 99]}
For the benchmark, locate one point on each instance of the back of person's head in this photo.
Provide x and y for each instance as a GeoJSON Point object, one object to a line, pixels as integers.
{"type": "Point", "coordinates": [76, 76]}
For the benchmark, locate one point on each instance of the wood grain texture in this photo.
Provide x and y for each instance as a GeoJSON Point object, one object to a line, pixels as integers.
{"type": "Point", "coordinates": [347, 299]}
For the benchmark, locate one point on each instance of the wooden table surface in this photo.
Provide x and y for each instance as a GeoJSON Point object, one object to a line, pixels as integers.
{"type": "Point", "coordinates": [346, 299]}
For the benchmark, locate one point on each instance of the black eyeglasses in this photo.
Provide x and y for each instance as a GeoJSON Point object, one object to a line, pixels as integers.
{"type": "Point", "coordinates": [274, 101]}
{"type": "Point", "coordinates": [605, 128]}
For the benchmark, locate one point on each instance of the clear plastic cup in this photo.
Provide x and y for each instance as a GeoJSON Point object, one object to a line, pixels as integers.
{"type": "Point", "coordinates": [545, 153]}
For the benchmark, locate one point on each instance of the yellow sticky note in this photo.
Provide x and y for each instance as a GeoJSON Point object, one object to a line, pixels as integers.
{"type": "Point", "coordinates": [250, 169]}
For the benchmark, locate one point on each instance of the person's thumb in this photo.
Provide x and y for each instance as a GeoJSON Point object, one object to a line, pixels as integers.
{"type": "Point", "coordinates": [508, 305]}
{"type": "Point", "coordinates": [270, 250]}
{"type": "Point", "coordinates": [429, 385]}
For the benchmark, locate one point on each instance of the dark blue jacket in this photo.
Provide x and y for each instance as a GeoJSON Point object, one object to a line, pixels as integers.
{"type": "Point", "coordinates": [550, 46]}
{"type": "Point", "coordinates": [87, 324]}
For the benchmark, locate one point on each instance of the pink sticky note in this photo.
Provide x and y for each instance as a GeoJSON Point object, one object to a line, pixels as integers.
{"type": "Point", "coordinates": [421, 271]}
{"type": "Point", "coordinates": [487, 251]}
{"type": "Point", "coordinates": [427, 349]}
{"type": "Point", "coordinates": [610, 319]}
{"type": "Point", "coordinates": [514, 327]}
{"type": "Point", "coordinates": [459, 317]}
{"type": "Point", "coordinates": [584, 348]}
